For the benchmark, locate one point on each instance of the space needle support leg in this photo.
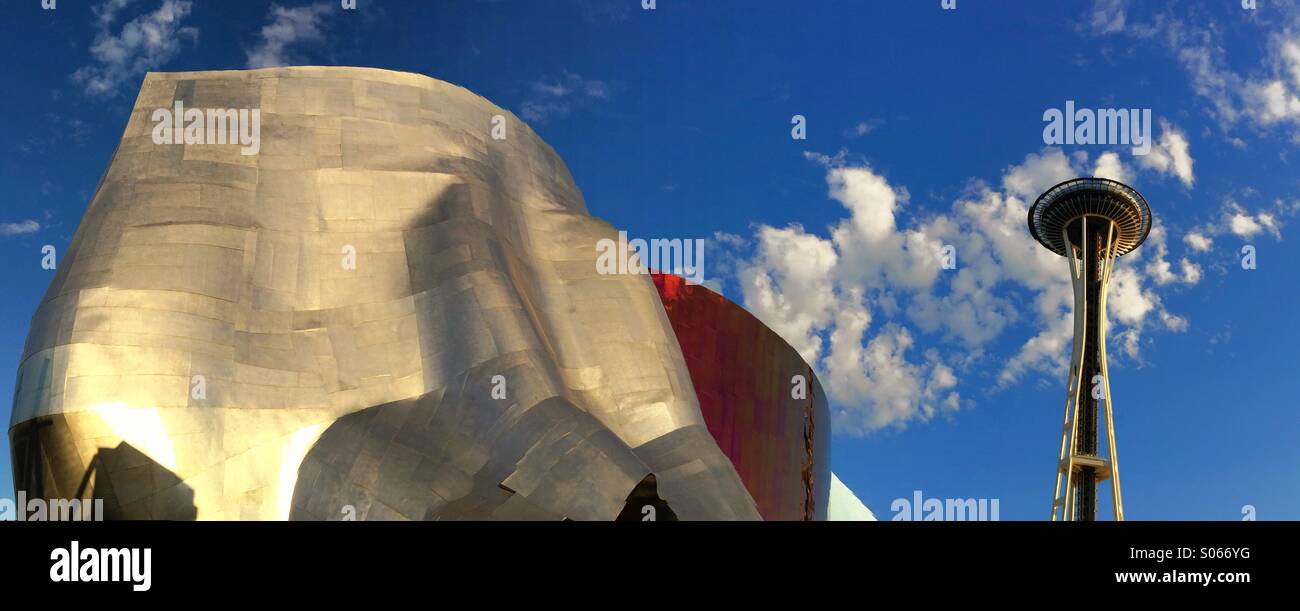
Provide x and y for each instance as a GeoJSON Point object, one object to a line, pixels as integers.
{"type": "Point", "coordinates": [1069, 429]}
{"type": "Point", "coordinates": [1117, 500]}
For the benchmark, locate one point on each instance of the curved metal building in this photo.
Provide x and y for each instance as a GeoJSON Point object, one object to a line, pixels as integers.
{"type": "Point", "coordinates": [391, 309]}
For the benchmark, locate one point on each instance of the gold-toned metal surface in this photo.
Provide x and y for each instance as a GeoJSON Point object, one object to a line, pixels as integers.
{"type": "Point", "coordinates": [206, 351]}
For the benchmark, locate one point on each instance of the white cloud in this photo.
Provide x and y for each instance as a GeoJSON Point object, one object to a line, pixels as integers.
{"type": "Point", "coordinates": [788, 286]}
{"type": "Point", "coordinates": [19, 228]}
{"type": "Point", "coordinates": [1273, 101]}
{"type": "Point", "coordinates": [1048, 351]}
{"type": "Point", "coordinates": [1273, 98]}
{"type": "Point", "coordinates": [1170, 155]}
{"type": "Point", "coordinates": [729, 239]}
{"type": "Point", "coordinates": [286, 27]}
{"type": "Point", "coordinates": [1234, 219]}
{"type": "Point", "coordinates": [553, 97]}
{"type": "Point", "coordinates": [1110, 166]}
{"type": "Point", "coordinates": [862, 128]}
{"type": "Point", "coordinates": [1198, 241]}
{"type": "Point", "coordinates": [1107, 16]}
{"type": "Point", "coordinates": [1244, 225]}
{"type": "Point", "coordinates": [142, 44]}
{"type": "Point", "coordinates": [1038, 173]}
{"type": "Point", "coordinates": [1191, 271]}
{"type": "Point", "coordinates": [875, 385]}
{"type": "Point", "coordinates": [1159, 269]}
{"type": "Point", "coordinates": [106, 12]}
{"type": "Point", "coordinates": [1111, 17]}
{"type": "Point", "coordinates": [1127, 302]}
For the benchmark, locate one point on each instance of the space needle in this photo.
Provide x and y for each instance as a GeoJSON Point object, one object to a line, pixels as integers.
{"type": "Point", "coordinates": [1090, 222]}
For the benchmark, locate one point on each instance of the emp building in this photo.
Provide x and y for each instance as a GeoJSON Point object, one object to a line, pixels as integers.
{"type": "Point", "coordinates": [1090, 222]}
{"type": "Point", "coordinates": [391, 310]}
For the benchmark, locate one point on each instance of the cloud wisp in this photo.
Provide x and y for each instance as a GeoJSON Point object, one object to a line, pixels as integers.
{"type": "Point", "coordinates": [551, 97]}
{"type": "Point", "coordinates": [19, 228]}
{"type": "Point", "coordinates": [285, 29]}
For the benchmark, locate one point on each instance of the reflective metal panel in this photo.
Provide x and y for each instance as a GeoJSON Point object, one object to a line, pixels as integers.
{"type": "Point", "coordinates": [761, 401]}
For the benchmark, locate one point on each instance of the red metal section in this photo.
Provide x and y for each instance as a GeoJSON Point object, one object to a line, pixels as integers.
{"type": "Point", "coordinates": [743, 375]}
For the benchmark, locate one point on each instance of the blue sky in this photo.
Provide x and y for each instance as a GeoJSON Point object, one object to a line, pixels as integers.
{"type": "Point", "coordinates": [924, 128]}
